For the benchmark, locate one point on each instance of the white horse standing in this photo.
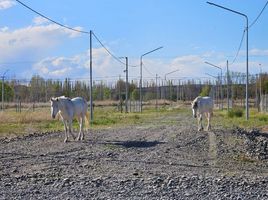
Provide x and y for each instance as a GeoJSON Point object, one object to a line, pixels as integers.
{"type": "Point", "coordinates": [68, 109]}
{"type": "Point", "coordinates": [202, 106]}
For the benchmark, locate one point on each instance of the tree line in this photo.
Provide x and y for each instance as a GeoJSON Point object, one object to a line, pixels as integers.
{"type": "Point", "coordinates": [40, 90]}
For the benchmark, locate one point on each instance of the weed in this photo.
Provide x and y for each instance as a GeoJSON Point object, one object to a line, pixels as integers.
{"type": "Point", "coordinates": [245, 159]}
{"type": "Point", "coordinates": [236, 112]}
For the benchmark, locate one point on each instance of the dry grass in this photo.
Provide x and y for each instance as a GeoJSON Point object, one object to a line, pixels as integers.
{"type": "Point", "coordinates": [13, 123]}
{"type": "Point", "coordinates": [39, 115]}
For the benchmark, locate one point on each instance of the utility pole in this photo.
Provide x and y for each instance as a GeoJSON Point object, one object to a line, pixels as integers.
{"type": "Point", "coordinates": [126, 71]}
{"type": "Point", "coordinates": [126, 85]}
{"type": "Point", "coordinates": [3, 89]}
{"type": "Point", "coordinates": [260, 88]}
{"type": "Point", "coordinates": [156, 88]}
{"type": "Point", "coordinates": [228, 105]}
{"type": "Point", "coordinates": [91, 92]}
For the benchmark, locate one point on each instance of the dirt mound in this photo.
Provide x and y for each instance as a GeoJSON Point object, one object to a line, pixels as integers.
{"type": "Point", "coordinates": [255, 143]}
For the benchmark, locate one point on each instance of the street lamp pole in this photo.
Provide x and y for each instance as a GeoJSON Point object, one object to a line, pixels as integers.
{"type": "Point", "coordinates": [141, 72]}
{"type": "Point", "coordinates": [217, 92]}
{"type": "Point", "coordinates": [90, 77]}
{"type": "Point", "coordinates": [228, 82]}
{"type": "Point", "coordinates": [260, 84]}
{"type": "Point", "coordinates": [246, 29]}
{"type": "Point", "coordinates": [220, 81]}
{"type": "Point", "coordinates": [166, 80]}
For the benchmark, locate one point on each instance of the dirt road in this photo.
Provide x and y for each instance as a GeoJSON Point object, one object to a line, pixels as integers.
{"type": "Point", "coordinates": [161, 159]}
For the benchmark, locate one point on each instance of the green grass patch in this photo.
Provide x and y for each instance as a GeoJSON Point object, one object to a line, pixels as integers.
{"type": "Point", "coordinates": [104, 117]}
{"type": "Point", "coordinates": [236, 112]}
{"type": "Point", "coordinates": [256, 119]}
{"type": "Point", "coordinates": [107, 117]}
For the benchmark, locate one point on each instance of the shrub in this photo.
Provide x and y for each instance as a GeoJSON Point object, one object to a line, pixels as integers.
{"type": "Point", "coordinates": [236, 112]}
{"type": "Point", "coordinates": [205, 91]}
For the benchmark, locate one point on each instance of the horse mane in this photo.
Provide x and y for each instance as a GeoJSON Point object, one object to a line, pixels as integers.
{"type": "Point", "coordinates": [64, 98]}
{"type": "Point", "coordinates": [196, 99]}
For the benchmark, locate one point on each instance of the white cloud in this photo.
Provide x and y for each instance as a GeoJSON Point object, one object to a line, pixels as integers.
{"type": "Point", "coordinates": [31, 41]}
{"type": "Point", "coordinates": [104, 66]}
{"type": "Point", "coordinates": [78, 65]}
{"type": "Point", "coordinates": [40, 20]}
{"type": "Point", "coordinates": [57, 67]}
{"type": "Point", "coordinates": [4, 29]}
{"type": "Point", "coordinates": [258, 52]}
{"type": "Point", "coordinates": [5, 4]}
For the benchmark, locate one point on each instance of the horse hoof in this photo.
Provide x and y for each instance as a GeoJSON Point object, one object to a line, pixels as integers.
{"type": "Point", "coordinates": [65, 141]}
{"type": "Point", "coordinates": [200, 129]}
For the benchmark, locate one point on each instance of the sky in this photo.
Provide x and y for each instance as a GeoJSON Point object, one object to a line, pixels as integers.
{"type": "Point", "coordinates": [191, 32]}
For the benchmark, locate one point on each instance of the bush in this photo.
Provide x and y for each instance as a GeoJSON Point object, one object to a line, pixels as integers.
{"type": "Point", "coordinates": [205, 91]}
{"type": "Point", "coordinates": [235, 113]}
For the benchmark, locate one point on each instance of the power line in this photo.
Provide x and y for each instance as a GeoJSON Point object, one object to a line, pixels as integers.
{"type": "Point", "coordinates": [116, 58]}
{"type": "Point", "coordinates": [147, 69]}
{"type": "Point", "coordinates": [67, 27]}
{"type": "Point", "coordinates": [239, 48]}
{"type": "Point", "coordinates": [258, 16]}
{"type": "Point", "coordinates": [243, 36]}
{"type": "Point", "coordinates": [110, 53]}
{"type": "Point", "coordinates": [73, 29]}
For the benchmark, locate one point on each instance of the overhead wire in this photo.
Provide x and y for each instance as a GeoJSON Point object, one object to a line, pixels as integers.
{"type": "Point", "coordinates": [239, 48]}
{"type": "Point", "coordinates": [258, 16]}
{"type": "Point", "coordinates": [109, 52]}
{"type": "Point", "coordinates": [76, 30]}
{"type": "Point", "coordinates": [147, 70]}
{"type": "Point", "coordinates": [243, 35]}
{"type": "Point", "coordinates": [51, 20]}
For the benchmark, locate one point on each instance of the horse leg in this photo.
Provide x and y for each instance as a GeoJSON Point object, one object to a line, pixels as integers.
{"type": "Point", "coordinates": [71, 128]}
{"type": "Point", "coordinates": [200, 126]}
{"type": "Point", "coordinates": [208, 118]}
{"type": "Point", "coordinates": [66, 130]}
{"type": "Point", "coordinates": [82, 128]}
{"type": "Point", "coordinates": [81, 134]}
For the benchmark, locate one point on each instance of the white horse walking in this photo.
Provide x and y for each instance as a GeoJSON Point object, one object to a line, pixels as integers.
{"type": "Point", "coordinates": [68, 109]}
{"type": "Point", "coordinates": [202, 106]}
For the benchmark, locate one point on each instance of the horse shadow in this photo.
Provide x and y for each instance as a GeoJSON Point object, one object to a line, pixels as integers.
{"type": "Point", "coordinates": [130, 143]}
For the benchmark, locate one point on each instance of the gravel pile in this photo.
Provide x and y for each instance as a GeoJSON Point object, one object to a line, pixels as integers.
{"type": "Point", "coordinates": [256, 143]}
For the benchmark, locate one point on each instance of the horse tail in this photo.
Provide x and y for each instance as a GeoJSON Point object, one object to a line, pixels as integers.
{"type": "Point", "coordinates": [87, 118]}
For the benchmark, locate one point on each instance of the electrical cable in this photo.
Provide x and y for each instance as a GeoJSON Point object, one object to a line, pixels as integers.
{"type": "Point", "coordinates": [258, 16]}
{"type": "Point", "coordinates": [239, 48]}
{"type": "Point", "coordinates": [55, 22]}
{"type": "Point", "coordinates": [240, 45]}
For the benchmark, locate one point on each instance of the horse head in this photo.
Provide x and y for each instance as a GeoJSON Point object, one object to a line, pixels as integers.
{"type": "Point", "coordinates": [194, 108]}
{"type": "Point", "coordinates": [54, 107]}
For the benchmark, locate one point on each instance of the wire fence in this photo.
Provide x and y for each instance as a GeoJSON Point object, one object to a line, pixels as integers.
{"type": "Point", "coordinates": [154, 92]}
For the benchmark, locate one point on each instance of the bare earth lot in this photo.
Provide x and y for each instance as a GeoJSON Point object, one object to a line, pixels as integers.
{"type": "Point", "coordinates": [161, 159]}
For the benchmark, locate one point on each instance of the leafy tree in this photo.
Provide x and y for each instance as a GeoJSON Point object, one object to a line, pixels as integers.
{"type": "Point", "coordinates": [265, 86]}
{"type": "Point", "coordinates": [37, 88]}
{"type": "Point", "coordinates": [107, 93]}
{"type": "Point", "coordinates": [8, 92]}
{"type": "Point", "coordinates": [205, 91]}
{"type": "Point", "coordinates": [135, 94]}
